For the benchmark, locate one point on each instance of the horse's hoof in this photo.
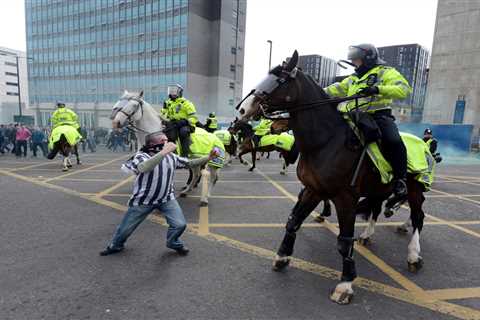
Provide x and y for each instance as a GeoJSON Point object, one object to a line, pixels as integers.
{"type": "Point", "coordinates": [79, 162]}
{"type": "Point", "coordinates": [183, 195]}
{"type": "Point", "coordinates": [203, 203]}
{"type": "Point", "coordinates": [364, 241]}
{"type": "Point", "coordinates": [283, 173]}
{"type": "Point", "coordinates": [401, 229]}
{"type": "Point", "coordinates": [280, 263]}
{"type": "Point", "coordinates": [319, 219]}
{"type": "Point", "coordinates": [65, 169]}
{"type": "Point", "coordinates": [414, 267]}
{"type": "Point", "coordinates": [341, 297]}
{"type": "Point", "coordinates": [69, 166]}
{"type": "Point", "coordinates": [388, 212]}
{"type": "Point", "coordinates": [251, 169]}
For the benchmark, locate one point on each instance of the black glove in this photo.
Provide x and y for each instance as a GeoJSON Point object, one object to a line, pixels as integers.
{"type": "Point", "coordinates": [369, 91]}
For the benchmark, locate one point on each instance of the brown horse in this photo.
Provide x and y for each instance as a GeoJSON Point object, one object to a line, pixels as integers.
{"type": "Point", "coordinates": [247, 145]}
{"type": "Point", "coordinates": [326, 166]}
{"type": "Point", "coordinates": [65, 150]}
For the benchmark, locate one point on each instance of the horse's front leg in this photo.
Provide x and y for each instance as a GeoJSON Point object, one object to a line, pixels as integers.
{"type": "Point", "coordinates": [345, 205]}
{"type": "Point", "coordinates": [284, 167]}
{"type": "Point", "coordinates": [77, 155]}
{"type": "Point", "coordinates": [193, 176]}
{"type": "Point", "coordinates": [307, 201]}
{"type": "Point", "coordinates": [254, 157]}
{"type": "Point", "coordinates": [415, 201]}
{"type": "Point", "coordinates": [66, 165]}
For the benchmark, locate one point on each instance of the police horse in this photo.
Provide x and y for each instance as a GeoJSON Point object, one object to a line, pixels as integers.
{"type": "Point", "coordinates": [64, 139]}
{"type": "Point", "coordinates": [246, 133]}
{"type": "Point", "coordinates": [326, 166]}
{"type": "Point", "coordinates": [139, 116]}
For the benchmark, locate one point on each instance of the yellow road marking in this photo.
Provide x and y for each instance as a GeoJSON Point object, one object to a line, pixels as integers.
{"type": "Point", "coordinates": [458, 177]}
{"type": "Point", "coordinates": [30, 166]}
{"type": "Point", "coordinates": [115, 187]}
{"type": "Point", "coordinates": [88, 180]}
{"type": "Point", "coordinates": [457, 196]}
{"type": "Point", "coordinates": [85, 170]}
{"type": "Point", "coordinates": [203, 226]}
{"type": "Point", "coordinates": [455, 293]}
{"type": "Point", "coordinates": [372, 286]}
{"type": "Point", "coordinates": [455, 226]}
{"type": "Point", "coordinates": [366, 284]}
{"type": "Point", "coordinates": [321, 225]}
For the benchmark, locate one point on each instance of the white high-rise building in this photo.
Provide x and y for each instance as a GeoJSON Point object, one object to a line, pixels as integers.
{"type": "Point", "coordinates": [453, 91]}
{"type": "Point", "coordinates": [11, 78]}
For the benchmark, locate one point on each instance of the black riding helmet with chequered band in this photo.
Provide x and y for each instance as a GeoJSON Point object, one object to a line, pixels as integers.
{"type": "Point", "coordinates": [368, 53]}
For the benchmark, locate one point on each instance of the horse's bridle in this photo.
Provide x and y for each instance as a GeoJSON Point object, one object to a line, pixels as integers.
{"type": "Point", "coordinates": [130, 126]}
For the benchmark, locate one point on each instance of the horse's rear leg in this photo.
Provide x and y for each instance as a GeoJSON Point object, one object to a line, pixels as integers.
{"type": "Point", "coordinates": [307, 201]}
{"type": "Point", "coordinates": [415, 201]}
{"type": "Point", "coordinates": [284, 167]}
{"type": "Point", "coordinates": [254, 155]}
{"type": "Point", "coordinates": [345, 205]}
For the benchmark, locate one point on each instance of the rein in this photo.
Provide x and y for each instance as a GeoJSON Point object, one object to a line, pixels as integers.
{"type": "Point", "coordinates": [277, 115]}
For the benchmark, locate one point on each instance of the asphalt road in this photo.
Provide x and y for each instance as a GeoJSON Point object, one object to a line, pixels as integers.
{"type": "Point", "coordinates": [53, 224]}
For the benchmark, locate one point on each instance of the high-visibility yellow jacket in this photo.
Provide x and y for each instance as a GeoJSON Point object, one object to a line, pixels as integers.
{"type": "Point", "coordinates": [213, 123]}
{"type": "Point", "coordinates": [64, 116]}
{"type": "Point", "coordinates": [263, 128]}
{"type": "Point", "coordinates": [391, 84]}
{"type": "Point", "coordinates": [180, 109]}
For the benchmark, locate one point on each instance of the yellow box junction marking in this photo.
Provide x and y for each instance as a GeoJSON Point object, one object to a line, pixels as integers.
{"type": "Point", "coordinates": [372, 286]}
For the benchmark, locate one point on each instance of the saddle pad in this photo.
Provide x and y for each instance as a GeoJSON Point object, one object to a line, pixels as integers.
{"type": "Point", "coordinates": [71, 134]}
{"type": "Point", "coordinates": [283, 141]}
{"type": "Point", "coordinates": [419, 159]}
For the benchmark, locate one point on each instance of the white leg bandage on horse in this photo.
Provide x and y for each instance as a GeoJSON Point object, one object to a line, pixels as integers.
{"type": "Point", "coordinates": [414, 248]}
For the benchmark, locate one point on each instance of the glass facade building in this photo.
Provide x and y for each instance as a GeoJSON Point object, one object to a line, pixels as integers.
{"type": "Point", "coordinates": [411, 60]}
{"type": "Point", "coordinates": [322, 69]}
{"type": "Point", "coordinates": [86, 52]}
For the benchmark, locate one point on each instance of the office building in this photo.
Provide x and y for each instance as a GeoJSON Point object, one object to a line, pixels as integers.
{"type": "Point", "coordinates": [411, 60]}
{"type": "Point", "coordinates": [13, 85]}
{"type": "Point", "coordinates": [453, 93]}
{"type": "Point", "coordinates": [86, 52]}
{"type": "Point", "coordinates": [322, 69]}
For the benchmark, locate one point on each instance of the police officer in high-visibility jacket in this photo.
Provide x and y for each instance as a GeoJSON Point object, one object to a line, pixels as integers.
{"type": "Point", "coordinates": [182, 113]}
{"type": "Point", "coordinates": [211, 124]}
{"type": "Point", "coordinates": [432, 144]}
{"type": "Point", "coordinates": [263, 128]}
{"type": "Point", "coordinates": [64, 116]}
{"type": "Point", "coordinates": [382, 85]}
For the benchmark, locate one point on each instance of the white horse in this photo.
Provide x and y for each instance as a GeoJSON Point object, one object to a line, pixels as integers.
{"type": "Point", "coordinates": [131, 110]}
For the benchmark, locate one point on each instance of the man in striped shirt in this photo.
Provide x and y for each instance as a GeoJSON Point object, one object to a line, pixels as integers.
{"type": "Point", "coordinates": [154, 166]}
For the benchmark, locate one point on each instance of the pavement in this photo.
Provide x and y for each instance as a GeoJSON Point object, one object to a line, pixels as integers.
{"type": "Point", "coordinates": [54, 224]}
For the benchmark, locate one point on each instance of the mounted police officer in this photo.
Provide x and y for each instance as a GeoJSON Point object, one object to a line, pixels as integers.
{"type": "Point", "coordinates": [182, 113]}
{"type": "Point", "coordinates": [381, 85]}
{"type": "Point", "coordinates": [64, 116]}
{"type": "Point", "coordinates": [263, 128]}
{"type": "Point", "coordinates": [211, 124]}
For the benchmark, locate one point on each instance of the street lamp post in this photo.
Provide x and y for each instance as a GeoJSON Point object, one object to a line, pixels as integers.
{"type": "Point", "coordinates": [18, 83]}
{"type": "Point", "coordinates": [270, 55]}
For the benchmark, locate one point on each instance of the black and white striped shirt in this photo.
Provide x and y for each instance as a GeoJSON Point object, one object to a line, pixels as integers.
{"type": "Point", "coordinates": [156, 186]}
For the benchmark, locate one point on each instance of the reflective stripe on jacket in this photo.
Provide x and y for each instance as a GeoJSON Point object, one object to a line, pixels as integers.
{"type": "Point", "coordinates": [391, 84]}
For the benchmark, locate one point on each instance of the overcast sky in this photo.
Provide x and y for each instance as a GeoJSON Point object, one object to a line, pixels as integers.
{"type": "Point", "coordinates": [325, 27]}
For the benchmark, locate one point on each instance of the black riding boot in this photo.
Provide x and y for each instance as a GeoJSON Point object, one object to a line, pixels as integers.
{"type": "Point", "coordinates": [394, 150]}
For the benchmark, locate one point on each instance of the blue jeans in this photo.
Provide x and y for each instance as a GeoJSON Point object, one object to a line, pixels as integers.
{"type": "Point", "coordinates": [135, 215]}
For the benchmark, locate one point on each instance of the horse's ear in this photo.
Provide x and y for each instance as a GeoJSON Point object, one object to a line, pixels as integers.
{"type": "Point", "coordinates": [141, 94]}
{"type": "Point", "coordinates": [292, 63]}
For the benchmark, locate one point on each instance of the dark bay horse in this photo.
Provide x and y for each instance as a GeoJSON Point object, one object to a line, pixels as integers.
{"type": "Point", "coordinates": [326, 166]}
{"type": "Point", "coordinates": [245, 131]}
{"type": "Point", "coordinates": [63, 147]}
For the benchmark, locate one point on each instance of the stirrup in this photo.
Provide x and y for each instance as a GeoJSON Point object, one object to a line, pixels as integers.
{"type": "Point", "coordinates": [393, 204]}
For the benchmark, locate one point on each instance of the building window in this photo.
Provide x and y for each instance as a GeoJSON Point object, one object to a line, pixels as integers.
{"type": "Point", "coordinates": [233, 50]}
{"type": "Point", "coordinates": [230, 102]}
{"type": "Point", "coordinates": [232, 68]}
{"type": "Point", "coordinates": [10, 64]}
{"type": "Point", "coordinates": [12, 93]}
{"type": "Point", "coordinates": [231, 85]}
{"type": "Point", "coordinates": [11, 74]}
{"type": "Point", "coordinates": [12, 84]}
